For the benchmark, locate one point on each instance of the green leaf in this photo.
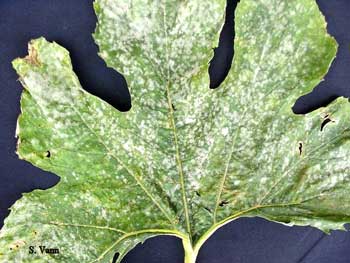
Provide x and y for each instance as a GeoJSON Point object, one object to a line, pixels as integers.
{"type": "Point", "coordinates": [185, 160]}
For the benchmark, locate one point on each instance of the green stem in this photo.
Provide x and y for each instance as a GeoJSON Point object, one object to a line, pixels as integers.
{"type": "Point", "coordinates": [190, 253]}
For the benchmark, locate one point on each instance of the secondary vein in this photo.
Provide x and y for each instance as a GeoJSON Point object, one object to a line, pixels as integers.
{"type": "Point", "coordinates": [223, 180]}
{"type": "Point", "coordinates": [85, 226]}
{"type": "Point", "coordinates": [137, 179]}
{"type": "Point", "coordinates": [147, 231]}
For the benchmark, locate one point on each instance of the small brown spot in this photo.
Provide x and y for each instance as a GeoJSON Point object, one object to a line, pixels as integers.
{"type": "Point", "coordinates": [17, 244]}
{"type": "Point", "coordinates": [32, 57]}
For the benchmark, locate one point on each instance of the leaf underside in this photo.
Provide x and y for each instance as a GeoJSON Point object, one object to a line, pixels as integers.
{"type": "Point", "coordinates": [185, 159]}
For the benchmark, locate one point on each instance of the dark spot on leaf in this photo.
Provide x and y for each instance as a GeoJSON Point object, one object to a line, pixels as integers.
{"type": "Point", "coordinates": [173, 106]}
{"type": "Point", "coordinates": [163, 193]}
{"type": "Point", "coordinates": [209, 210]}
{"type": "Point", "coordinates": [197, 193]}
{"type": "Point", "coordinates": [300, 148]}
{"type": "Point", "coordinates": [116, 256]}
{"type": "Point", "coordinates": [325, 122]}
{"type": "Point", "coordinates": [48, 154]}
{"type": "Point", "coordinates": [223, 203]}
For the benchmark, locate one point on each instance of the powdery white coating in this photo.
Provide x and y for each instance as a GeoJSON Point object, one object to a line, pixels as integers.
{"type": "Point", "coordinates": [185, 159]}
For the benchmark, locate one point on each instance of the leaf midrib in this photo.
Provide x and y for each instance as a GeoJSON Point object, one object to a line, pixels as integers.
{"type": "Point", "coordinates": [173, 126]}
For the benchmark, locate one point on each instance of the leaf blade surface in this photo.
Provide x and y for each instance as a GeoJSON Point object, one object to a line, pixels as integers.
{"type": "Point", "coordinates": [185, 160]}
